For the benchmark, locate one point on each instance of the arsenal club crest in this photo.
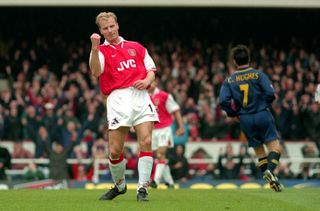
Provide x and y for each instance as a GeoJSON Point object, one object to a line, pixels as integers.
{"type": "Point", "coordinates": [132, 52]}
{"type": "Point", "coordinates": [156, 102]}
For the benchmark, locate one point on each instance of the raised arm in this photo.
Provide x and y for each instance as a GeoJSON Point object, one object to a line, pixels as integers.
{"type": "Point", "coordinates": [94, 61]}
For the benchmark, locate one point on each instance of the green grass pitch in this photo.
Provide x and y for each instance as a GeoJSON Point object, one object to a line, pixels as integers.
{"type": "Point", "coordinates": [175, 200]}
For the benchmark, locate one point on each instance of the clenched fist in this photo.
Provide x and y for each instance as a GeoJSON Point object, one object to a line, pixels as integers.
{"type": "Point", "coordinates": [95, 41]}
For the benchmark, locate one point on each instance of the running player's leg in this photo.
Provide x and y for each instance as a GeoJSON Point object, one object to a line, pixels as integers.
{"type": "Point", "coordinates": [267, 165]}
{"type": "Point", "coordinates": [258, 129]}
{"type": "Point", "coordinates": [269, 136]}
{"type": "Point", "coordinates": [164, 138]}
{"type": "Point", "coordinates": [167, 176]}
{"type": "Point", "coordinates": [161, 163]}
{"type": "Point", "coordinates": [262, 157]}
{"type": "Point", "coordinates": [162, 170]}
{"type": "Point", "coordinates": [274, 149]}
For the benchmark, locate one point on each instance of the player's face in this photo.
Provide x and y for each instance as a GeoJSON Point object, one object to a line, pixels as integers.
{"type": "Point", "coordinates": [109, 28]}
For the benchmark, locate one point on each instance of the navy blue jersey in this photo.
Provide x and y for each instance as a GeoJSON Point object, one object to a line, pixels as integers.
{"type": "Point", "coordinates": [250, 90]}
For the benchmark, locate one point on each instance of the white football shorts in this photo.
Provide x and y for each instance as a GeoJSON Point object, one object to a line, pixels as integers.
{"type": "Point", "coordinates": [129, 107]}
{"type": "Point", "coordinates": [162, 137]}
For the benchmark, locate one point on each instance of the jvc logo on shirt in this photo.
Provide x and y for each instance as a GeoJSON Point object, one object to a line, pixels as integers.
{"type": "Point", "coordinates": [127, 64]}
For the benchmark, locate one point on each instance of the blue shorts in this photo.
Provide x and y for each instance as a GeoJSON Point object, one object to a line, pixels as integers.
{"type": "Point", "coordinates": [259, 128]}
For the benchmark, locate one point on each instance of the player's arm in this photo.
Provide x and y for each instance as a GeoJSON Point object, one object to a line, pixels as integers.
{"type": "Point", "coordinates": [150, 78]}
{"type": "Point", "coordinates": [145, 83]}
{"type": "Point", "coordinates": [178, 117]}
{"type": "Point", "coordinates": [225, 98]}
{"type": "Point", "coordinates": [173, 108]}
{"type": "Point", "coordinates": [151, 69]}
{"type": "Point", "coordinates": [96, 60]}
{"type": "Point", "coordinates": [267, 88]}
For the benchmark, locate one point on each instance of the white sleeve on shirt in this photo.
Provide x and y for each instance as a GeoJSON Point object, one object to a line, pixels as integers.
{"type": "Point", "coordinates": [171, 104]}
{"type": "Point", "coordinates": [101, 59]}
{"type": "Point", "coordinates": [149, 63]}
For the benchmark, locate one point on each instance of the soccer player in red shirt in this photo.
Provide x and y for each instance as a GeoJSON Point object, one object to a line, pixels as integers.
{"type": "Point", "coordinates": [125, 71]}
{"type": "Point", "coordinates": [167, 107]}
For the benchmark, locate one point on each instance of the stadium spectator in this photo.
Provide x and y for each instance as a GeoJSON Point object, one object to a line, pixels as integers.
{"type": "Point", "coordinates": [42, 137]}
{"type": "Point", "coordinates": [58, 155]}
{"type": "Point", "coordinates": [304, 173]}
{"type": "Point", "coordinates": [211, 172]}
{"type": "Point", "coordinates": [193, 121]}
{"type": "Point", "coordinates": [312, 122]}
{"type": "Point", "coordinates": [309, 151]}
{"type": "Point", "coordinates": [209, 129]}
{"type": "Point", "coordinates": [30, 122]}
{"type": "Point", "coordinates": [79, 170]}
{"type": "Point", "coordinates": [88, 139]}
{"type": "Point", "coordinates": [91, 119]}
{"type": "Point", "coordinates": [80, 173]}
{"type": "Point", "coordinates": [5, 162]}
{"type": "Point", "coordinates": [68, 116]}
{"type": "Point", "coordinates": [50, 121]}
{"type": "Point", "coordinates": [13, 124]}
{"type": "Point", "coordinates": [283, 171]}
{"type": "Point", "coordinates": [179, 165]}
{"type": "Point", "coordinates": [190, 107]}
{"type": "Point", "coordinates": [126, 70]}
{"type": "Point", "coordinates": [33, 172]}
{"type": "Point", "coordinates": [20, 152]}
{"type": "Point", "coordinates": [227, 167]}
{"type": "Point", "coordinates": [297, 131]}
{"type": "Point", "coordinates": [199, 169]}
{"type": "Point", "coordinates": [100, 151]}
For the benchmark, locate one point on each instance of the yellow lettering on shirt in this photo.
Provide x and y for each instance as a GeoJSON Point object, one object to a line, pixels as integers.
{"type": "Point", "coordinates": [247, 76]}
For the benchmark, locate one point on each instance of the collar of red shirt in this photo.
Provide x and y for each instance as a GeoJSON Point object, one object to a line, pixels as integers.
{"type": "Point", "coordinates": [107, 43]}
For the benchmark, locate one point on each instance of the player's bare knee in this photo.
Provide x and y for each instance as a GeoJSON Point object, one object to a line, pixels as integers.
{"type": "Point", "coordinates": [275, 146]}
{"type": "Point", "coordinates": [161, 156]}
{"type": "Point", "coordinates": [161, 153]}
{"type": "Point", "coordinates": [278, 149]}
{"type": "Point", "coordinates": [114, 153]}
{"type": "Point", "coordinates": [146, 142]}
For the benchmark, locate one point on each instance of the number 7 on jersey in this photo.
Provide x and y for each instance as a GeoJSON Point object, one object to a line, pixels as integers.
{"type": "Point", "coordinates": [245, 89]}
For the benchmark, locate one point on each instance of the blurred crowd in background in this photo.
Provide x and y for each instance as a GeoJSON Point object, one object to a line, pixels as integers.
{"type": "Point", "coordinates": [48, 97]}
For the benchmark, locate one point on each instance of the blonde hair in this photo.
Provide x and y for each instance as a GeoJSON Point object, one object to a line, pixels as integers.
{"type": "Point", "coordinates": [105, 15]}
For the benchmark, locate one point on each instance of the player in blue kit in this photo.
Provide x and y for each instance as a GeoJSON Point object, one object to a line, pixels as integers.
{"type": "Point", "coordinates": [251, 93]}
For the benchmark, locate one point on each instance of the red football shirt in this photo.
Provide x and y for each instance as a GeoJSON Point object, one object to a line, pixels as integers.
{"type": "Point", "coordinates": [123, 64]}
{"type": "Point", "coordinates": [165, 105]}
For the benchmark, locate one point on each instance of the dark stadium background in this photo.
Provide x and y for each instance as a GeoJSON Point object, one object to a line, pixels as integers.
{"type": "Point", "coordinates": [281, 28]}
{"type": "Point", "coordinates": [275, 26]}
